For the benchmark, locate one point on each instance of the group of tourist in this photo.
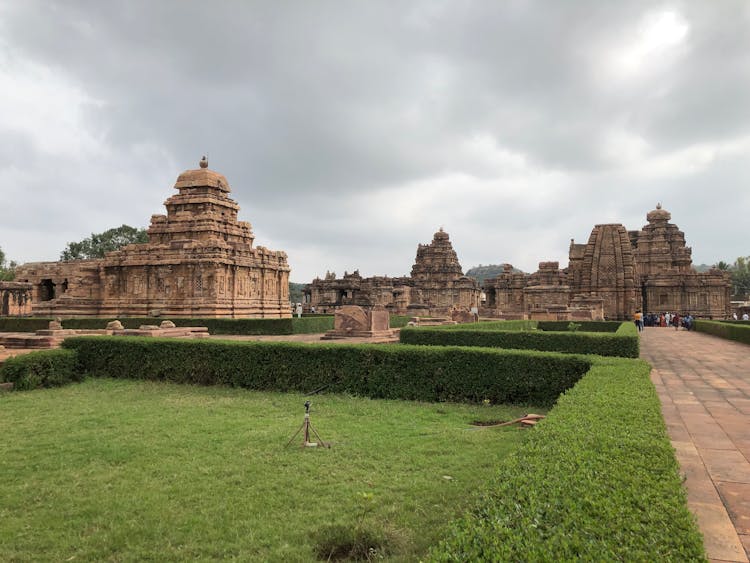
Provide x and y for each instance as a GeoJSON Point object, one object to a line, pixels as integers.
{"type": "Point", "coordinates": [666, 319]}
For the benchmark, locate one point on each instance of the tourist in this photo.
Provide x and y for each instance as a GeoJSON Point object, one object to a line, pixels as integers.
{"type": "Point", "coordinates": [689, 322]}
{"type": "Point", "coordinates": [734, 316]}
{"type": "Point", "coordinates": [745, 316]}
{"type": "Point", "coordinates": [662, 320]}
{"type": "Point", "coordinates": [638, 319]}
{"type": "Point", "coordinates": [676, 321]}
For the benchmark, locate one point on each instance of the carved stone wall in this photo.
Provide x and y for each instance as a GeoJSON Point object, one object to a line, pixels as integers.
{"type": "Point", "coordinates": [668, 280]}
{"type": "Point", "coordinates": [607, 268]}
{"type": "Point", "coordinates": [613, 275]}
{"type": "Point", "coordinates": [199, 261]}
{"type": "Point", "coordinates": [15, 299]}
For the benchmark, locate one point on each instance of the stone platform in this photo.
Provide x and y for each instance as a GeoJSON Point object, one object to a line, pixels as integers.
{"type": "Point", "coordinates": [53, 336]}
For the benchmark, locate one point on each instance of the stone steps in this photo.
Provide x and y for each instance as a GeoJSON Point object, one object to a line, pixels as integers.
{"type": "Point", "coordinates": [29, 341]}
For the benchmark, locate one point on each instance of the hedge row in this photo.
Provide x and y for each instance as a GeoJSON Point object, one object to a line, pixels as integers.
{"type": "Point", "coordinates": [383, 371]}
{"type": "Point", "coordinates": [491, 325]}
{"type": "Point", "coordinates": [624, 343]}
{"type": "Point", "coordinates": [596, 481]}
{"type": "Point", "coordinates": [45, 368]}
{"type": "Point", "coordinates": [398, 321]}
{"type": "Point", "coordinates": [26, 324]}
{"type": "Point", "coordinates": [304, 325]}
{"type": "Point", "coordinates": [584, 326]}
{"type": "Point", "coordinates": [549, 326]}
{"type": "Point", "coordinates": [728, 330]}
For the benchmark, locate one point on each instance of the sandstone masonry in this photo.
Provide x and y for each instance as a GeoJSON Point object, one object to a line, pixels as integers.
{"type": "Point", "coordinates": [616, 273]}
{"type": "Point", "coordinates": [199, 261]}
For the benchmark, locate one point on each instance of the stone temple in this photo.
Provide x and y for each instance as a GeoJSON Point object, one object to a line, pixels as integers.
{"type": "Point", "coordinates": [610, 277]}
{"type": "Point", "coordinates": [436, 286]}
{"type": "Point", "coordinates": [616, 273]}
{"type": "Point", "coordinates": [199, 261]}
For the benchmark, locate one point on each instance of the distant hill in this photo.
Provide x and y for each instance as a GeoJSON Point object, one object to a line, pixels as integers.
{"type": "Point", "coordinates": [702, 267]}
{"type": "Point", "coordinates": [481, 273]}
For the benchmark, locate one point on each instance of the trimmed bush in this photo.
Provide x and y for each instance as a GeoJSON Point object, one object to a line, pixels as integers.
{"type": "Point", "coordinates": [491, 325]}
{"type": "Point", "coordinates": [398, 321]}
{"type": "Point", "coordinates": [385, 371]}
{"type": "Point", "coordinates": [45, 368]}
{"type": "Point", "coordinates": [736, 331]}
{"type": "Point", "coordinates": [311, 325]}
{"type": "Point", "coordinates": [302, 325]}
{"type": "Point", "coordinates": [624, 343]}
{"type": "Point", "coordinates": [596, 481]}
{"type": "Point", "coordinates": [585, 326]}
{"type": "Point", "coordinates": [24, 324]}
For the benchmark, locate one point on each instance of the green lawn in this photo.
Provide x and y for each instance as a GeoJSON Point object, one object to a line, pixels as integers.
{"type": "Point", "coordinates": [112, 470]}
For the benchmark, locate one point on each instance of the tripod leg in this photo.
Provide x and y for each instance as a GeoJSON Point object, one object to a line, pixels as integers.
{"type": "Point", "coordinates": [320, 440]}
{"type": "Point", "coordinates": [307, 432]}
{"type": "Point", "coordinates": [295, 435]}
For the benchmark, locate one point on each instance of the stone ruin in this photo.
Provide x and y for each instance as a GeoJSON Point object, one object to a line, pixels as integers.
{"type": "Point", "coordinates": [199, 261]}
{"type": "Point", "coordinates": [616, 273]}
{"type": "Point", "coordinates": [354, 321]}
{"type": "Point", "coordinates": [436, 286]}
{"type": "Point", "coordinates": [610, 277]}
{"type": "Point", "coordinates": [54, 334]}
{"type": "Point", "coordinates": [15, 299]}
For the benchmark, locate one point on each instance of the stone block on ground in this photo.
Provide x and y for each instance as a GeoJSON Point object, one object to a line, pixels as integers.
{"type": "Point", "coordinates": [353, 321]}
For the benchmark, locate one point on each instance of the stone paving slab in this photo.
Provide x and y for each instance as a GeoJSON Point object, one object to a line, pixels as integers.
{"type": "Point", "coordinates": [703, 383]}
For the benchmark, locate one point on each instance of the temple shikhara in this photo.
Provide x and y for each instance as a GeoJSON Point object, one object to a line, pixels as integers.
{"type": "Point", "coordinates": [199, 261]}
{"type": "Point", "coordinates": [610, 277]}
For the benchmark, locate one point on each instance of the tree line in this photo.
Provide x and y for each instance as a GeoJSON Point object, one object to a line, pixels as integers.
{"type": "Point", "coordinates": [740, 272]}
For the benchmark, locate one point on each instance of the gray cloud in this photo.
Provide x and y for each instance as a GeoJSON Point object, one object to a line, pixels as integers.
{"type": "Point", "coordinates": [351, 131]}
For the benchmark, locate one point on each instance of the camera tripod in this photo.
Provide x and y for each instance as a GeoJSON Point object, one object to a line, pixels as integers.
{"type": "Point", "coordinates": [307, 427]}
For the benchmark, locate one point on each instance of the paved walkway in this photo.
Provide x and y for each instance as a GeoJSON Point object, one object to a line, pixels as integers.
{"type": "Point", "coordinates": [704, 385]}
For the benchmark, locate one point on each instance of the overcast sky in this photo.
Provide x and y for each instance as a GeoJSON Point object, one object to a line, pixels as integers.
{"type": "Point", "coordinates": [351, 131]}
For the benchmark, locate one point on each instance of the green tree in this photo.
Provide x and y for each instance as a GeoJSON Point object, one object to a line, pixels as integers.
{"type": "Point", "coordinates": [98, 244]}
{"type": "Point", "coordinates": [741, 277]}
{"type": "Point", "coordinates": [7, 271]}
{"type": "Point", "coordinates": [295, 292]}
{"type": "Point", "coordinates": [724, 266]}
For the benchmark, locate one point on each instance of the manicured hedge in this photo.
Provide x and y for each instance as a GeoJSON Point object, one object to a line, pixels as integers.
{"type": "Point", "coordinates": [308, 325]}
{"type": "Point", "coordinates": [46, 368]}
{"type": "Point", "coordinates": [24, 324]}
{"type": "Point", "coordinates": [491, 325]}
{"type": "Point", "coordinates": [729, 330]}
{"type": "Point", "coordinates": [595, 481]}
{"type": "Point", "coordinates": [398, 321]}
{"type": "Point", "coordinates": [624, 343]}
{"type": "Point", "coordinates": [585, 326]}
{"type": "Point", "coordinates": [302, 325]}
{"type": "Point", "coordinates": [383, 371]}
